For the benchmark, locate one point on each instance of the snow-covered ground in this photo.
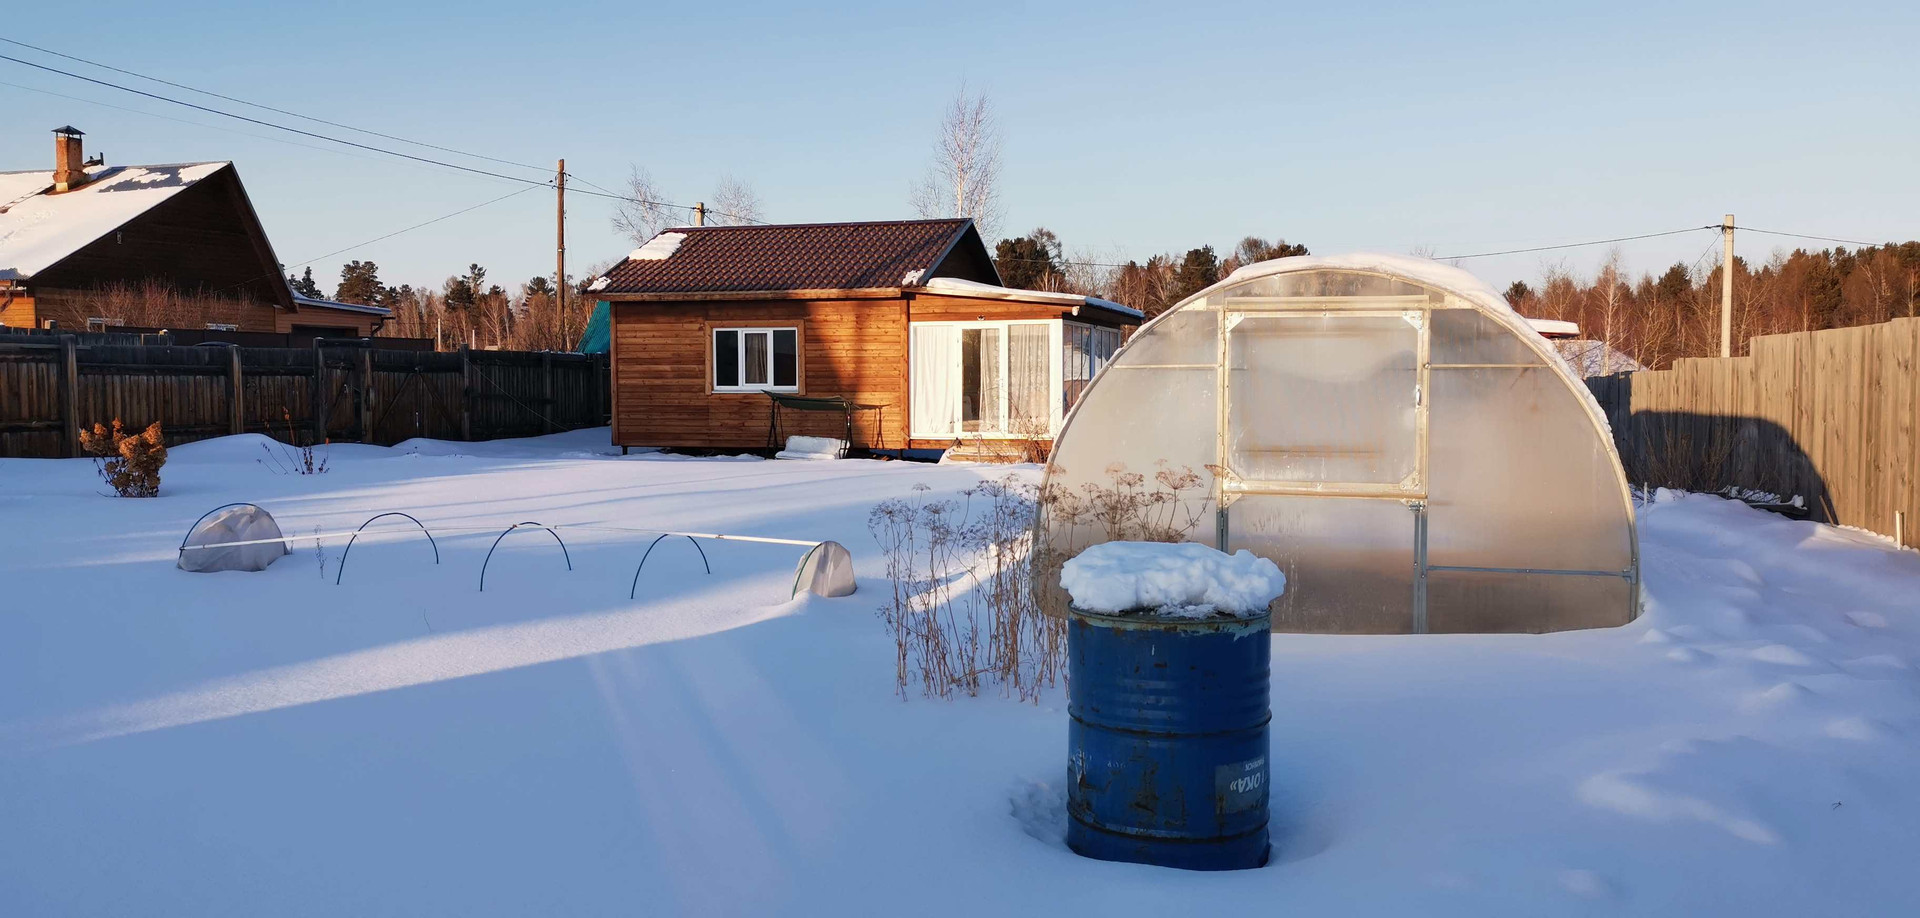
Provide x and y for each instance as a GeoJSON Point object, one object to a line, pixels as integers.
{"type": "Point", "coordinates": [401, 744]}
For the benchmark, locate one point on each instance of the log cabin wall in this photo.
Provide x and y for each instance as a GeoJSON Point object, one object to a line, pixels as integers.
{"type": "Point", "coordinates": [663, 391]}
{"type": "Point", "coordinates": [16, 310]}
{"type": "Point", "coordinates": [72, 308]}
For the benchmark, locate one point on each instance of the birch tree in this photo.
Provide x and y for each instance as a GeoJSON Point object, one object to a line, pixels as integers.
{"type": "Point", "coordinates": [735, 203]}
{"type": "Point", "coordinates": [644, 212]}
{"type": "Point", "coordinates": [964, 180]}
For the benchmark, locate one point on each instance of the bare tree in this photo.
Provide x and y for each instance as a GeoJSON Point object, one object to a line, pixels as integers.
{"type": "Point", "coordinates": [964, 179]}
{"type": "Point", "coordinates": [735, 203]}
{"type": "Point", "coordinates": [644, 213]}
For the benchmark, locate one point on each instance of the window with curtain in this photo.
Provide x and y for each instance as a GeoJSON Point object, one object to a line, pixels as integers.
{"type": "Point", "coordinates": [986, 378]}
{"type": "Point", "coordinates": [756, 359]}
{"type": "Point", "coordinates": [1027, 388]}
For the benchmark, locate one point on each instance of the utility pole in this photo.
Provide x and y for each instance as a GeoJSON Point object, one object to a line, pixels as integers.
{"type": "Point", "coordinates": [560, 249]}
{"type": "Point", "coordinates": [699, 213]}
{"type": "Point", "coordinates": [1726, 288]}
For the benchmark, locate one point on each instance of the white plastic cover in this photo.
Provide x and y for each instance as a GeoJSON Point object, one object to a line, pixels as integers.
{"type": "Point", "coordinates": [242, 523]}
{"type": "Point", "coordinates": [1409, 451]}
{"type": "Point", "coordinates": [826, 570]}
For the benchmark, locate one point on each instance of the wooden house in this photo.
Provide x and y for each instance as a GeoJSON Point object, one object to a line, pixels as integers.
{"type": "Point", "coordinates": [904, 318]}
{"type": "Point", "coordinates": [86, 244]}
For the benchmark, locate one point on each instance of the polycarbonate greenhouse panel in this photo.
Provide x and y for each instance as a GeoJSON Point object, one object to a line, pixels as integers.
{"type": "Point", "coordinates": [1409, 450]}
{"type": "Point", "coordinates": [1356, 577]}
{"type": "Point", "coordinates": [1351, 384]}
{"type": "Point", "coordinates": [1518, 477]}
{"type": "Point", "coordinates": [1480, 603]}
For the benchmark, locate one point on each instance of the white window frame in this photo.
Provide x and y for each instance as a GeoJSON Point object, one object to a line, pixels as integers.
{"type": "Point", "coordinates": [740, 355]}
{"type": "Point", "coordinates": [222, 326]}
{"type": "Point", "coordinates": [1055, 389]}
{"type": "Point", "coordinates": [102, 323]}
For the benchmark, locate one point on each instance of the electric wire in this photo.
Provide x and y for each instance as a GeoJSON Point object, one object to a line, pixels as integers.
{"type": "Point", "coordinates": [282, 111]}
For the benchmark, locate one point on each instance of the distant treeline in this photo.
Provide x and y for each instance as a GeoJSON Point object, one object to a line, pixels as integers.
{"type": "Point", "coordinates": [1652, 319]}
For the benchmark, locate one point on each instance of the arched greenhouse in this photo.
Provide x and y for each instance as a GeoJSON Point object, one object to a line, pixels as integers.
{"type": "Point", "coordinates": [1408, 450]}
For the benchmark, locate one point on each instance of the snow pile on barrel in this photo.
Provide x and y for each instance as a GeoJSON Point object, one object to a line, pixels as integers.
{"type": "Point", "coordinates": [1184, 580]}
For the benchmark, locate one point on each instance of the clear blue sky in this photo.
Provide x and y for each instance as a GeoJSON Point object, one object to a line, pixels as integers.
{"type": "Point", "coordinates": [1129, 129]}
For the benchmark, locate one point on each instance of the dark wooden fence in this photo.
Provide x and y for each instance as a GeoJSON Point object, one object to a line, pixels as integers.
{"type": "Point", "coordinates": [1832, 416]}
{"type": "Point", "coordinates": [50, 388]}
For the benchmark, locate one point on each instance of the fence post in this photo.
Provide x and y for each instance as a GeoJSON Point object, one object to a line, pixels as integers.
{"type": "Point", "coordinates": [366, 393]}
{"type": "Point", "coordinates": [546, 366]}
{"type": "Point", "coordinates": [236, 393]}
{"type": "Point", "coordinates": [466, 393]}
{"type": "Point", "coordinates": [317, 396]}
{"type": "Point", "coordinates": [70, 393]}
{"type": "Point", "coordinates": [600, 375]}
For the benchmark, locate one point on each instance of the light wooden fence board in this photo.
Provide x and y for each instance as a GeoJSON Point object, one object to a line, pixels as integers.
{"type": "Point", "coordinates": [1832, 416]}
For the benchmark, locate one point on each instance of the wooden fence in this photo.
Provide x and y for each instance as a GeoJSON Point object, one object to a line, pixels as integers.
{"type": "Point", "coordinates": [1832, 416]}
{"type": "Point", "coordinates": [50, 388]}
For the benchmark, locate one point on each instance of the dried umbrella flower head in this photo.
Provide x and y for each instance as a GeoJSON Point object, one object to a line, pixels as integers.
{"type": "Point", "coordinates": [129, 463]}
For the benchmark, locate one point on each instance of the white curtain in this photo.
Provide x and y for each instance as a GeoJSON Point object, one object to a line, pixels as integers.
{"type": "Point", "coordinates": [934, 366]}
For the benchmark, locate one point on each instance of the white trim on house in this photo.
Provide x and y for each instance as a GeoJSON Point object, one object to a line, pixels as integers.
{"type": "Point", "coordinates": [936, 396]}
{"type": "Point", "coordinates": [740, 357]}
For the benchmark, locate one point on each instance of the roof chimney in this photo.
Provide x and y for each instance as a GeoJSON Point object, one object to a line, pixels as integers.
{"type": "Point", "coordinates": [69, 167]}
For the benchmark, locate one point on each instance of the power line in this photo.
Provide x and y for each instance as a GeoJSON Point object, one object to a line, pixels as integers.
{"type": "Point", "coordinates": [1750, 229]}
{"type": "Point", "coordinates": [281, 127]}
{"type": "Point", "coordinates": [604, 192]}
{"type": "Point", "coordinates": [299, 264]}
{"type": "Point", "coordinates": [282, 111]}
{"type": "Point", "coordinates": [199, 124]}
{"type": "Point", "coordinates": [411, 228]}
{"type": "Point", "coordinates": [1576, 245]}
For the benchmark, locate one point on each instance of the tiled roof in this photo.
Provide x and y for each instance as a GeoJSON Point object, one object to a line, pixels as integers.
{"type": "Point", "coordinates": [809, 256]}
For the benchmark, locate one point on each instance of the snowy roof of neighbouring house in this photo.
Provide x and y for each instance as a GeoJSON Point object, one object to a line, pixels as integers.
{"type": "Point", "coordinates": [1555, 328]}
{"type": "Point", "coordinates": [797, 256]}
{"type": "Point", "coordinates": [1595, 358]}
{"type": "Point", "coordinates": [959, 287]}
{"type": "Point", "coordinates": [305, 302]}
{"type": "Point", "coordinates": [39, 229]}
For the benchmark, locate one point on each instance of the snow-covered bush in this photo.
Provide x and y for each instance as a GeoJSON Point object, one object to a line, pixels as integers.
{"type": "Point", "coordinates": [129, 463]}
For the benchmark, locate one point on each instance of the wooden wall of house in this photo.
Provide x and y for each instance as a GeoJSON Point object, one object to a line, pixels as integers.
{"type": "Point", "coordinates": [339, 322]}
{"type": "Point", "coordinates": [73, 307]}
{"type": "Point", "coordinates": [856, 348]}
{"type": "Point", "coordinates": [202, 241]}
{"type": "Point", "coordinates": [17, 311]}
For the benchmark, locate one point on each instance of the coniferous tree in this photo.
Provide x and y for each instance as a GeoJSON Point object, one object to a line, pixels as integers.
{"type": "Point", "coordinates": [359, 283]}
{"type": "Point", "coordinates": [1030, 262]}
{"type": "Point", "coordinates": [1199, 270]}
{"type": "Point", "coordinates": [305, 284]}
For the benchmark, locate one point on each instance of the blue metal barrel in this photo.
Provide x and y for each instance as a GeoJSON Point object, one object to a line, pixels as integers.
{"type": "Point", "coordinates": [1167, 741]}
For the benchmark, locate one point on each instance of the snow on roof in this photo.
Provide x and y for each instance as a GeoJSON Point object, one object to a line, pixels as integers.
{"type": "Point", "coordinates": [38, 229]}
{"type": "Point", "coordinates": [962, 287]}
{"type": "Point", "coordinates": [659, 247]}
{"type": "Point", "coordinates": [1555, 328]}
{"type": "Point", "coordinates": [305, 302]}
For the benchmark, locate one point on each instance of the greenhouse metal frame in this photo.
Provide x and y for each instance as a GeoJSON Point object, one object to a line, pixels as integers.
{"type": "Point", "coordinates": [1386, 428]}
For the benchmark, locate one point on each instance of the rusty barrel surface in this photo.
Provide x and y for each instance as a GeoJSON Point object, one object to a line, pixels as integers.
{"type": "Point", "coordinates": [1167, 739]}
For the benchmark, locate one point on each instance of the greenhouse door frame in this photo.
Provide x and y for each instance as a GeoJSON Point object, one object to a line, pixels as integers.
{"type": "Point", "coordinates": [1411, 491]}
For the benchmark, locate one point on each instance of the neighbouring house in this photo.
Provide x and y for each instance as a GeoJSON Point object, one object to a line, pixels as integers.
{"type": "Point", "coordinates": [88, 245]}
{"type": "Point", "coordinates": [1587, 356]}
{"type": "Point", "coordinates": [904, 317]}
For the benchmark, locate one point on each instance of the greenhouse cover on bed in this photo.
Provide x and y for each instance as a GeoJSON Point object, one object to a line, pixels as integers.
{"type": "Point", "coordinates": [1386, 429]}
